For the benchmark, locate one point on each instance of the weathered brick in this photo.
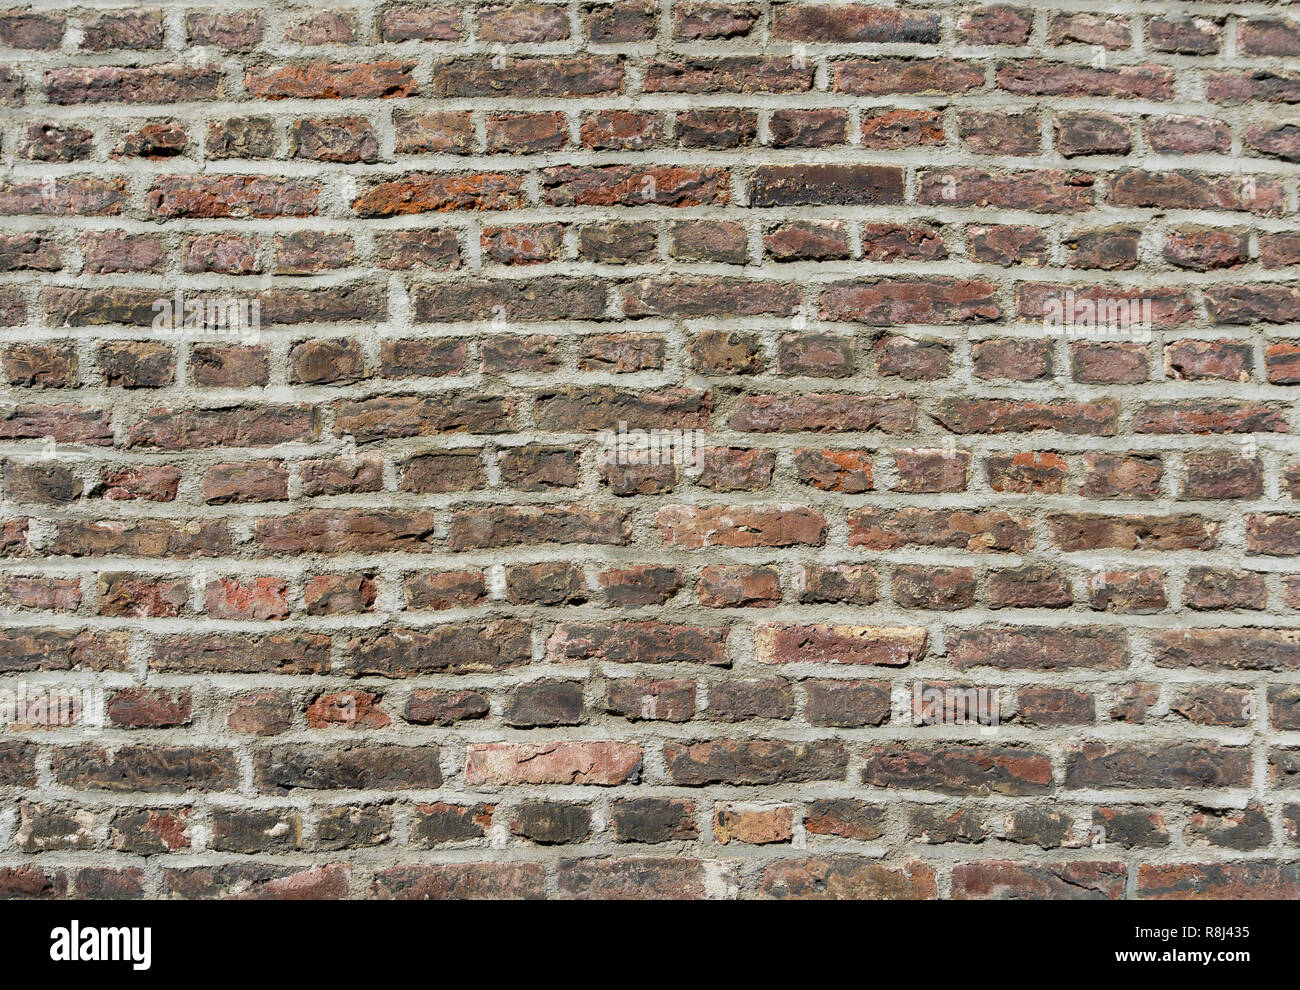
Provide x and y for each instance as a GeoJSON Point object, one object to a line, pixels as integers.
{"type": "Point", "coordinates": [959, 769]}
{"type": "Point", "coordinates": [452, 648]}
{"type": "Point", "coordinates": [1186, 765]}
{"type": "Point", "coordinates": [754, 762]}
{"type": "Point", "coordinates": [333, 80]}
{"type": "Point", "coordinates": [589, 762]}
{"type": "Point", "coordinates": [1032, 881]}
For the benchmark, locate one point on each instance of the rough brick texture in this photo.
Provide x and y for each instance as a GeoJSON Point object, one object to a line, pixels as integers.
{"type": "Point", "coordinates": [367, 607]}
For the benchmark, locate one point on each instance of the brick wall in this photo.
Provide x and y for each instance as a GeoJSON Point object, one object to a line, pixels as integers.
{"type": "Point", "coordinates": [974, 330]}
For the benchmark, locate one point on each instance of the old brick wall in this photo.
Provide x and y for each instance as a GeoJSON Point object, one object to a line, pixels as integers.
{"type": "Point", "coordinates": [352, 598]}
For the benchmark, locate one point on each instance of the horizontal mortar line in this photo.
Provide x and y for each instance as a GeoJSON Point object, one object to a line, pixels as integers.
{"type": "Point", "coordinates": [803, 272]}
{"type": "Point", "coordinates": [745, 159]}
{"type": "Point", "coordinates": [493, 611]}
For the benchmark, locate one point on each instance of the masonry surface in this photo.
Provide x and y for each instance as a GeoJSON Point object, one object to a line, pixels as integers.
{"type": "Point", "coordinates": [352, 597]}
